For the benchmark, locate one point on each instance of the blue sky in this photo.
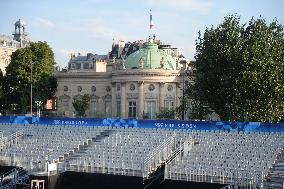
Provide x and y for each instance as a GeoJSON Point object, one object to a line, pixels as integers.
{"type": "Point", "coordinates": [90, 25]}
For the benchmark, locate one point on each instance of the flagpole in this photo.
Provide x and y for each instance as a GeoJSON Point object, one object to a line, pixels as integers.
{"type": "Point", "coordinates": [151, 24]}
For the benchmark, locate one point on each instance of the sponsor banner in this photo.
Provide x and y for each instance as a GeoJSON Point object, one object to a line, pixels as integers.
{"type": "Point", "coordinates": [154, 124]}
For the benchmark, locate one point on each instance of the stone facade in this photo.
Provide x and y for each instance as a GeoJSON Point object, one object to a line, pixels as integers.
{"type": "Point", "coordinates": [126, 88]}
{"type": "Point", "coordinates": [9, 44]}
{"type": "Point", "coordinates": [5, 57]}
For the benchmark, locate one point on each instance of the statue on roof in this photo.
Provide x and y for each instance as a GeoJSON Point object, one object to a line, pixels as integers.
{"type": "Point", "coordinates": [162, 63]}
{"type": "Point", "coordinates": [141, 63]}
{"type": "Point", "coordinates": [123, 63]}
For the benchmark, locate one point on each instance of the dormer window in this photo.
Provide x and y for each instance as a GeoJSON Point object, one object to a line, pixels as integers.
{"type": "Point", "coordinates": [86, 66]}
{"type": "Point", "coordinates": [72, 66]}
{"type": "Point", "coordinates": [91, 65]}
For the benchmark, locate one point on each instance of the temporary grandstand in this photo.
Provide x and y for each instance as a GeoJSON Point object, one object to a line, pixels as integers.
{"type": "Point", "coordinates": [154, 157]}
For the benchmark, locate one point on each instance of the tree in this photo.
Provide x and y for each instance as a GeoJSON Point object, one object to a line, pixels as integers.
{"type": "Point", "coordinates": [1, 92]}
{"type": "Point", "coordinates": [166, 113]}
{"type": "Point", "coordinates": [81, 105]}
{"type": "Point", "coordinates": [240, 70]}
{"type": "Point", "coordinates": [39, 58]}
{"type": "Point", "coordinates": [191, 106]}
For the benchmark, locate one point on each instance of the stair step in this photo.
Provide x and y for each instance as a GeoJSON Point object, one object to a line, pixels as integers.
{"type": "Point", "coordinates": [77, 153]}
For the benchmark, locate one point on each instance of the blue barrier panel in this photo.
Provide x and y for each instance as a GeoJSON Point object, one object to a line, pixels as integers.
{"type": "Point", "coordinates": [169, 124]}
{"type": "Point", "coordinates": [5, 119]}
{"type": "Point", "coordinates": [71, 121]}
{"type": "Point", "coordinates": [177, 124]}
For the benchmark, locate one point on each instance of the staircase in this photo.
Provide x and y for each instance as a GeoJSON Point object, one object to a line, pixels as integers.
{"type": "Point", "coordinates": [182, 149]}
{"type": "Point", "coordinates": [64, 163]}
{"type": "Point", "coordinates": [16, 176]}
{"type": "Point", "coordinates": [166, 153]}
{"type": "Point", "coordinates": [276, 175]}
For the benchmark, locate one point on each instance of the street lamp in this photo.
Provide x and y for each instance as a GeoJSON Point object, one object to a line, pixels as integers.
{"type": "Point", "coordinates": [32, 87]}
{"type": "Point", "coordinates": [38, 105]}
{"type": "Point", "coordinates": [185, 73]}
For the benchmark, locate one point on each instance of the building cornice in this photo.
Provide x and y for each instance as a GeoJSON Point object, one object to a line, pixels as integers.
{"type": "Point", "coordinates": [82, 74]}
{"type": "Point", "coordinates": [147, 72]}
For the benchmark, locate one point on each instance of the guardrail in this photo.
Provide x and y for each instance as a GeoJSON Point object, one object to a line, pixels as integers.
{"type": "Point", "coordinates": [8, 140]}
{"type": "Point", "coordinates": [159, 155]}
{"type": "Point", "coordinates": [13, 177]}
{"type": "Point", "coordinates": [243, 178]}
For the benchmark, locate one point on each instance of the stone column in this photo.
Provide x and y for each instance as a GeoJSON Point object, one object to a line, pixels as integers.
{"type": "Point", "coordinates": [140, 99]}
{"type": "Point", "coordinates": [161, 95]}
{"type": "Point", "coordinates": [178, 94]}
{"type": "Point", "coordinates": [123, 100]}
{"type": "Point", "coordinates": [113, 99]}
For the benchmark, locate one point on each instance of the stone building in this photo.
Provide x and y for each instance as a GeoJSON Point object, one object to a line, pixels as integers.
{"type": "Point", "coordinates": [134, 80]}
{"type": "Point", "coordinates": [9, 44]}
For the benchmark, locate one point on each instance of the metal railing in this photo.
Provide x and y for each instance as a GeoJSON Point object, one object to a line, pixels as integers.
{"type": "Point", "coordinates": [275, 181]}
{"type": "Point", "coordinates": [13, 177]}
{"type": "Point", "coordinates": [114, 169]}
{"type": "Point", "coordinates": [240, 178]}
{"type": "Point", "coordinates": [183, 149]}
{"type": "Point", "coordinates": [159, 155]}
{"type": "Point", "coordinates": [8, 140]}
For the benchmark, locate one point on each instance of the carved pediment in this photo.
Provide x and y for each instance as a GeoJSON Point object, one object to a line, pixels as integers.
{"type": "Point", "coordinates": [170, 96]}
{"type": "Point", "coordinates": [108, 96]}
{"type": "Point", "coordinates": [94, 97]}
{"type": "Point", "coordinates": [150, 96]}
{"type": "Point", "coordinates": [76, 97]}
{"type": "Point", "coordinates": [64, 97]}
{"type": "Point", "coordinates": [132, 95]}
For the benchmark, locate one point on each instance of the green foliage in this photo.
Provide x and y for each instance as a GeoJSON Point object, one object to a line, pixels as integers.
{"type": "Point", "coordinates": [81, 105]}
{"type": "Point", "coordinates": [193, 109]}
{"type": "Point", "coordinates": [1, 92]}
{"type": "Point", "coordinates": [198, 111]}
{"type": "Point", "coordinates": [45, 88]}
{"type": "Point", "coordinates": [166, 113]}
{"type": "Point", "coordinates": [240, 70]}
{"type": "Point", "coordinates": [17, 81]}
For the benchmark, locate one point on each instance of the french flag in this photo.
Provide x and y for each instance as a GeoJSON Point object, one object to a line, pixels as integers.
{"type": "Point", "coordinates": [151, 21]}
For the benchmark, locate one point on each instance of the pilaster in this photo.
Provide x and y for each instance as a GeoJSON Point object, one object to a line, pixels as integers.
{"type": "Point", "coordinates": [140, 99]}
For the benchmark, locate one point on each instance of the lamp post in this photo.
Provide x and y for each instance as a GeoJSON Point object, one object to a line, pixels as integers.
{"type": "Point", "coordinates": [183, 104]}
{"type": "Point", "coordinates": [183, 63]}
{"type": "Point", "coordinates": [185, 73]}
{"type": "Point", "coordinates": [38, 105]}
{"type": "Point", "coordinates": [31, 89]}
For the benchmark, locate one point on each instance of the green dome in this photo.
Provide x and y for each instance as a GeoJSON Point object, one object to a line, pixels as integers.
{"type": "Point", "coordinates": [151, 57]}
